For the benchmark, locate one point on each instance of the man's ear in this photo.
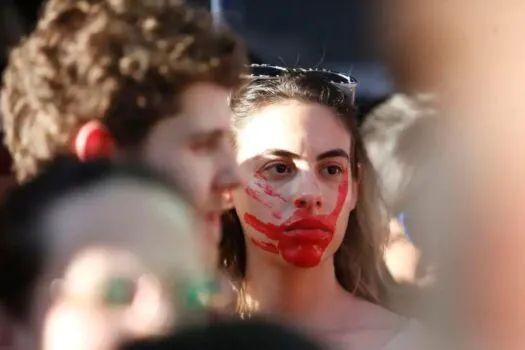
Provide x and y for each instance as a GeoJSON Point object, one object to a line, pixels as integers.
{"type": "Point", "coordinates": [93, 140]}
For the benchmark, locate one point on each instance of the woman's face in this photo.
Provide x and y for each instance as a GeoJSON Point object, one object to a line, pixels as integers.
{"type": "Point", "coordinates": [299, 190]}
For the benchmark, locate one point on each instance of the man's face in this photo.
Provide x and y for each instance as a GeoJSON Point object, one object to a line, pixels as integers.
{"type": "Point", "coordinates": [121, 257]}
{"type": "Point", "coordinates": [194, 149]}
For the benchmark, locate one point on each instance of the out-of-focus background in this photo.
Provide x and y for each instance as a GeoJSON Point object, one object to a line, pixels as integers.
{"type": "Point", "coordinates": [331, 34]}
{"type": "Point", "coordinates": [471, 53]}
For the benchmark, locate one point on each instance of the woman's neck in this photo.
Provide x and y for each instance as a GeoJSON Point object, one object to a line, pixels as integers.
{"type": "Point", "coordinates": [291, 293]}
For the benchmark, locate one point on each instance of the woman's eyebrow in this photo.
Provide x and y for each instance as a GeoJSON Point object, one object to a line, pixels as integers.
{"type": "Point", "coordinates": [338, 152]}
{"type": "Point", "coordinates": [280, 153]}
{"type": "Point", "coordinates": [333, 153]}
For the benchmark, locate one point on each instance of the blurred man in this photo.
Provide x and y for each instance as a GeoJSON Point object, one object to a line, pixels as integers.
{"type": "Point", "coordinates": [146, 79]}
{"type": "Point", "coordinates": [95, 253]}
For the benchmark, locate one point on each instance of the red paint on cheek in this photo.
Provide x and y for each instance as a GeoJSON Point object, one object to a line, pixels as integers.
{"type": "Point", "coordinates": [269, 230]}
{"type": "Point", "coordinates": [267, 189]}
{"type": "Point", "coordinates": [255, 196]}
{"type": "Point", "coordinates": [302, 248]}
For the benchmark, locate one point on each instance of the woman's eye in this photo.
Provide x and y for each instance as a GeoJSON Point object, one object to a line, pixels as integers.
{"type": "Point", "coordinates": [332, 170]}
{"type": "Point", "coordinates": [278, 169]}
{"type": "Point", "coordinates": [281, 168]}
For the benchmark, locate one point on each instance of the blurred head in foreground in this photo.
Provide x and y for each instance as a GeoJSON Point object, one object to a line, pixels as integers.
{"type": "Point", "coordinates": [249, 334]}
{"type": "Point", "coordinates": [93, 253]}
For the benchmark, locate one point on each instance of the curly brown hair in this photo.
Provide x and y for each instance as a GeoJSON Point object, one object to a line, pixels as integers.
{"type": "Point", "coordinates": [120, 61]}
{"type": "Point", "coordinates": [358, 260]}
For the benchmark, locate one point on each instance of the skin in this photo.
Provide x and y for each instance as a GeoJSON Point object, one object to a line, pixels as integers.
{"type": "Point", "coordinates": [313, 177]}
{"type": "Point", "coordinates": [404, 260]}
{"type": "Point", "coordinates": [120, 230]}
{"type": "Point", "coordinates": [294, 174]}
{"type": "Point", "coordinates": [194, 149]}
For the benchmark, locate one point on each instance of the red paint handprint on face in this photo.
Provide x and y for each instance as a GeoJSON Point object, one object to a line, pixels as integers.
{"type": "Point", "coordinates": [267, 190]}
{"type": "Point", "coordinates": [302, 239]}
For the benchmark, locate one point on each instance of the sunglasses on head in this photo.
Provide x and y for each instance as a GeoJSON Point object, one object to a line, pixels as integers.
{"type": "Point", "coordinates": [343, 81]}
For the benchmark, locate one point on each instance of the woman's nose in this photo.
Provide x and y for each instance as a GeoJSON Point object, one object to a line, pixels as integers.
{"type": "Point", "coordinates": [308, 201]}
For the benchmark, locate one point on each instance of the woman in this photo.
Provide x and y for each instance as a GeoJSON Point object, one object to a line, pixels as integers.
{"type": "Point", "coordinates": [304, 240]}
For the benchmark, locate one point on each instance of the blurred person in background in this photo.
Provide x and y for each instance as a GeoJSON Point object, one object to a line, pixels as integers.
{"type": "Point", "coordinates": [146, 79]}
{"type": "Point", "coordinates": [400, 136]}
{"type": "Point", "coordinates": [97, 252]}
{"type": "Point", "coordinates": [479, 80]}
{"type": "Point", "coordinates": [304, 240]}
{"type": "Point", "coordinates": [247, 334]}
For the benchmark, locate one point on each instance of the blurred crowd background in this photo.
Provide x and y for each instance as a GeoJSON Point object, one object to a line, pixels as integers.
{"type": "Point", "coordinates": [456, 249]}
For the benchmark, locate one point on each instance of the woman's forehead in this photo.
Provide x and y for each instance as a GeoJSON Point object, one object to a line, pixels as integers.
{"type": "Point", "coordinates": [307, 129]}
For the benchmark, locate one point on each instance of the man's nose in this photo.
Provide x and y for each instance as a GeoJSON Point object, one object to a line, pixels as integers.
{"type": "Point", "coordinates": [228, 179]}
{"type": "Point", "coordinates": [228, 176]}
{"type": "Point", "coordinates": [225, 184]}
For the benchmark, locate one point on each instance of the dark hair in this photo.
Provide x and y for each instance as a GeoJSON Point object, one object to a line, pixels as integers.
{"type": "Point", "coordinates": [357, 261]}
{"type": "Point", "coordinates": [23, 245]}
{"type": "Point", "coordinates": [123, 62]}
{"type": "Point", "coordinates": [5, 159]}
{"type": "Point", "coordinates": [238, 335]}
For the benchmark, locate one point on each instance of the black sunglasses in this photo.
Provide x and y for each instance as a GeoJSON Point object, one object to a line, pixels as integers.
{"type": "Point", "coordinates": [266, 71]}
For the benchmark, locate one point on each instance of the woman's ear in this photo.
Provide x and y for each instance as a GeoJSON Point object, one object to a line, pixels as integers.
{"type": "Point", "coordinates": [93, 140]}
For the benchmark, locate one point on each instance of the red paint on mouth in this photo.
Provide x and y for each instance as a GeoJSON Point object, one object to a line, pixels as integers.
{"type": "Point", "coordinates": [302, 239]}
{"type": "Point", "coordinates": [311, 223]}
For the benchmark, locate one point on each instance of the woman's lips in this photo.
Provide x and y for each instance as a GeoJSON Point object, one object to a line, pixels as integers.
{"type": "Point", "coordinates": [306, 236]}
{"type": "Point", "coordinates": [309, 224]}
{"type": "Point", "coordinates": [303, 242]}
{"type": "Point", "coordinates": [307, 231]}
